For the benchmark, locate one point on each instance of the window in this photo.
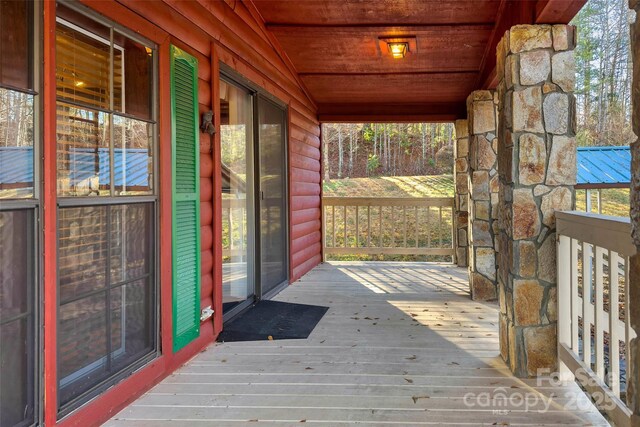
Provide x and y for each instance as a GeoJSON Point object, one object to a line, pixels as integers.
{"type": "Point", "coordinates": [106, 220]}
{"type": "Point", "coordinates": [18, 215]}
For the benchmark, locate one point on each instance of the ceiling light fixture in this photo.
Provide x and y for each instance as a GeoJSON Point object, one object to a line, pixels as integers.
{"type": "Point", "coordinates": [398, 49]}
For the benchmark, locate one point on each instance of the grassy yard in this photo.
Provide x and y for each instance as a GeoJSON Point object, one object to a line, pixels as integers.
{"type": "Point", "coordinates": [615, 201]}
{"type": "Point", "coordinates": [391, 186]}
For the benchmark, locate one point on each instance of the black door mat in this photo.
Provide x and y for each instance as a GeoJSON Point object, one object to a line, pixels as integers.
{"type": "Point", "coordinates": [275, 319]}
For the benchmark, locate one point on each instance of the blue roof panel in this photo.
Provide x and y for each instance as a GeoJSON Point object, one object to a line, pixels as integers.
{"type": "Point", "coordinates": [604, 165]}
{"type": "Point", "coordinates": [16, 165]}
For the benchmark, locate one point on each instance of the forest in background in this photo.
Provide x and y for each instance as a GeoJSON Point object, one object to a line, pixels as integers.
{"type": "Point", "coordinates": [357, 150]}
{"type": "Point", "coordinates": [603, 106]}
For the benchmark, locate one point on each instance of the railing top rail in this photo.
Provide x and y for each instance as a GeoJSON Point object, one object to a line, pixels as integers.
{"type": "Point", "coordinates": [610, 232]}
{"type": "Point", "coordinates": [387, 201]}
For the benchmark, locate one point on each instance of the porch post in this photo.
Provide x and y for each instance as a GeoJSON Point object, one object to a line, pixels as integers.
{"type": "Point", "coordinates": [633, 376]}
{"type": "Point", "coordinates": [461, 173]}
{"type": "Point", "coordinates": [483, 193]}
{"type": "Point", "coordinates": [537, 170]}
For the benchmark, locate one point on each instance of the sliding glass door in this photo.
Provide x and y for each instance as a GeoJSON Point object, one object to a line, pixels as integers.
{"type": "Point", "coordinates": [254, 195]}
{"type": "Point", "coordinates": [236, 138]}
{"type": "Point", "coordinates": [273, 190]}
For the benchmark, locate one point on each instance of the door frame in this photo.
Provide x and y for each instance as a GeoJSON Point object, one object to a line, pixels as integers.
{"type": "Point", "coordinates": [230, 75]}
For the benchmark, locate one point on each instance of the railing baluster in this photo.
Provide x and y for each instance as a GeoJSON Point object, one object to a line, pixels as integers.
{"type": "Point", "coordinates": [380, 226]}
{"type": "Point", "coordinates": [586, 303]}
{"type": "Point", "coordinates": [428, 222]}
{"type": "Point", "coordinates": [614, 315]}
{"type": "Point", "coordinates": [369, 226]}
{"type": "Point", "coordinates": [564, 301]}
{"type": "Point", "coordinates": [575, 307]}
{"type": "Point", "coordinates": [333, 224]}
{"type": "Point", "coordinates": [345, 225]}
{"type": "Point", "coordinates": [404, 214]}
{"type": "Point", "coordinates": [393, 227]}
{"type": "Point", "coordinates": [357, 226]}
{"type": "Point", "coordinates": [417, 228]}
{"type": "Point", "coordinates": [628, 331]}
{"type": "Point", "coordinates": [440, 226]}
{"type": "Point", "coordinates": [599, 311]}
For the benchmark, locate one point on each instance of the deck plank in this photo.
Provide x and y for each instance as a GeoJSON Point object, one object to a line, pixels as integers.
{"type": "Point", "coordinates": [401, 344]}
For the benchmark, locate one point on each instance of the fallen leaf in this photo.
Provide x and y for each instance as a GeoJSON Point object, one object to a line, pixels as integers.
{"type": "Point", "coordinates": [416, 398]}
{"type": "Point", "coordinates": [409, 380]}
{"type": "Point", "coordinates": [413, 357]}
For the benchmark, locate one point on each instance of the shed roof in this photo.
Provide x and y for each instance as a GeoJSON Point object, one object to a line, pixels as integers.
{"type": "Point", "coordinates": [603, 166]}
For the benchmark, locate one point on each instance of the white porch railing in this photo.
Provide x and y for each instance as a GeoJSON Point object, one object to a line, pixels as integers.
{"type": "Point", "coordinates": [593, 322]}
{"type": "Point", "coordinates": [388, 226]}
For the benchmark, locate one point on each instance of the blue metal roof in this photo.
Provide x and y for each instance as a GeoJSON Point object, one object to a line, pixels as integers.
{"type": "Point", "coordinates": [16, 165]}
{"type": "Point", "coordinates": [604, 165]}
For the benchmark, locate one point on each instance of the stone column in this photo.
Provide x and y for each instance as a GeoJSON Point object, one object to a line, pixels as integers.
{"type": "Point", "coordinates": [633, 375]}
{"type": "Point", "coordinates": [483, 193]}
{"type": "Point", "coordinates": [537, 169]}
{"type": "Point", "coordinates": [460, 176]}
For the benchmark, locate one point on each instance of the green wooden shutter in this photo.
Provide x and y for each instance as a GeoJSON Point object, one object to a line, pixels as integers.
{"type": "Point", "coordinates": [185, 198]}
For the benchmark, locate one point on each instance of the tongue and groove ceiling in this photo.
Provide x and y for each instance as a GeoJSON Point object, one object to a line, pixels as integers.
{"type": "Point", "coordinates": [334, 46]}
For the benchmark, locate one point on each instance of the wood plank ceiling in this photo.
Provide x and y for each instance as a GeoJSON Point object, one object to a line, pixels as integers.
{"type": "Point", "coordinates": [334, 46]}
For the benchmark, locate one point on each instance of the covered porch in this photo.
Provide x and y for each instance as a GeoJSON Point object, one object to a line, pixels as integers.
{"type": "Point", "coordinates": [401, 344]}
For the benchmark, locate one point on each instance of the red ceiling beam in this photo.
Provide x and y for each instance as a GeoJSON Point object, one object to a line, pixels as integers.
{"type": "Point", "coordinates": [514, 12]}
{"type": "Point", "coordinates": [390, 113]}
{"type": "Point", "coordinates": [557, 11]}
{"type": "Point", "coordinates": [510, 13]}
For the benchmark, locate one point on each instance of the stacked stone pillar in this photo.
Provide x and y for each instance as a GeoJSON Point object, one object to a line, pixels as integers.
{"type": "Point", "coordinates": [461, 178]}
{"type": "Point", "coordinates": [482, 109]}
{"type": "Point", "coordinates": [633, 375]}
{"type": "Point", "coordinates": [537, 170]}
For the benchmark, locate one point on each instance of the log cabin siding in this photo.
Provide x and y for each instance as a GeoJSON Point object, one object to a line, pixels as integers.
{"type": "Point", "coordinates": [235, 36]}
{"type": "Point", "coordinates": [243, 43]}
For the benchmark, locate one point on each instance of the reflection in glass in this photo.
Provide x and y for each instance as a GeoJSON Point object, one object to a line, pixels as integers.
{"type": "Point", "coordinates": [106, 319]}
{"type": "Point", "coordinates": [273, 208]}
{"type": "Point", "coordinates": [237, 207]}
{"type": "Point", "coordinates": [16, 318]}
{"type": "Point", "coordinates": [83, 152]}
{"type": "Point", "coordinates": [82, 62]}
{"type": "Point", "coordinates": [132, 156]}
{"type": "Point", "coordinates": [132, 74]}
{"type": "Point", "coordinates": [82, 250]}
{"type": "Point", "coordinates": [16, 144]}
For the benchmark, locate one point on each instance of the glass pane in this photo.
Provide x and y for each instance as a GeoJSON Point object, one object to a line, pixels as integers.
{"type": "Point", "coordinates": [83, 152]}
{"type": "Point", "coordinates": [131, 232]}
{"type": "Point", "coordinates": [82, 250]}
{"type": "Point", "coordinates": [16, 317]}
{"type": "Point", "coordinates": [237, 209]}
{"type": "Point", "coordinates": [132, 77]}
{"type": "Point", "coordinates": [133, 156]}
{"type": "Point", "coordinates": [273, 212]}
{"type": "Point", "coordinates": [16, 257]}
{"type": "Point", "coordinates": [16, 144]}
{"type": "Point", "coordinates": [131, 332]}
{"type": "Point", "coordinates": [82, 59]}
{"type": "Point", "coordinates": [16, 26]}
{"type": "Point", "coordinates": [82, 345]}
{"type": "Point", "coordinates": [16, 373]}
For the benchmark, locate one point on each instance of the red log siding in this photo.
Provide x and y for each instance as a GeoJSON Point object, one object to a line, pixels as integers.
{"type": "Point", "coordinates": [211, 31]}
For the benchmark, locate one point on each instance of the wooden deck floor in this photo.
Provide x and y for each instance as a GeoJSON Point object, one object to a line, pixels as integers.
{"type": "Point", "coordinates": [402, 344]}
